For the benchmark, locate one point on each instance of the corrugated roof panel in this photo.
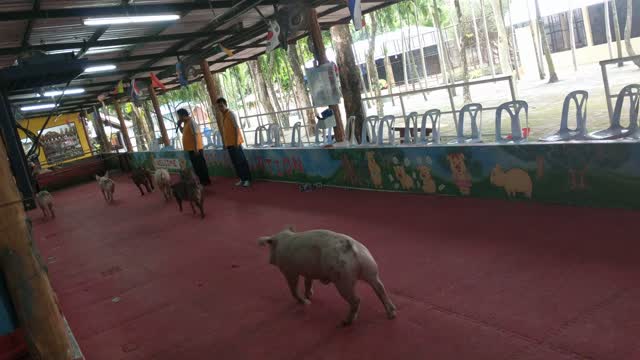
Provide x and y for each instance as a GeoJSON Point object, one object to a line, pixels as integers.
{"type": "Point", "coordinates": [15, 5]}
{"type": "Point", "coordinates": [51, 31]}
{"type": "Point", "coordinates": [194, 21]}
{"type": "Point", "coordinates": [129, 30]}
{"type": "Point", "coordinates": [169, 61]}
{"type": "Point", "coordinates": [153, 48]}
{"type": "Point", "coordinates": [7, 60]}
{"type": "Point", "coordinates": [11, 33]}
{"type": "Point", "coordinates": [61, 4]}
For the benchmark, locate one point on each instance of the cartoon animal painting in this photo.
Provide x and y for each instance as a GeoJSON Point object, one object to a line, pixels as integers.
{"type": "Point", "coordinates": [514, 181]}
{"type": "Point", "coordinates": [374, 170]}
{"type": "Point", "coordinates": [428, 185]}
{"type": "Point", "coordinates": [461, 176]}
{"type": "Point", "coordinates": [405, 180]}
{"type": "Point", "coordinates": [540, 169]}
{"type": "Point", "coordinates": [349, 171]}
{"type": "Point", "coordinates": [576, 179]}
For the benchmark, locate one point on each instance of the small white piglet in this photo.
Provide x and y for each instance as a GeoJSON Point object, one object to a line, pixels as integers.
{"type": "Point", "coordinates": [329, 257]}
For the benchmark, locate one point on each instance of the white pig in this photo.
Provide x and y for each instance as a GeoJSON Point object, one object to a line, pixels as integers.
{"type": "Point", "coordinates": [44, 200]}
{"type": "Point", "coordinates": [107, 187]}
{"type": "Point", "coordinates": [162, 179]}
{"type": "Point", "coordinates": [329, 257]}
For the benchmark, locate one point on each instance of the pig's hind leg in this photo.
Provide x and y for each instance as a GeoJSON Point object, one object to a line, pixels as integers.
{"type": "Point", "coordinates": [378, 287]}
{"type": "Point", "coordinates": [346, 287]}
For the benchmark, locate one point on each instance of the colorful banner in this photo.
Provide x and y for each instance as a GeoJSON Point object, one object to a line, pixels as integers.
{"type": "Point", "coordinates": [592, 174]}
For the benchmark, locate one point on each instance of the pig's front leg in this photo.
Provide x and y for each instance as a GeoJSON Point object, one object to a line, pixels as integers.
{"type": "Point", "coordinates": [308, 288]}
{"type": "Point", "coordinates": [292, 280]}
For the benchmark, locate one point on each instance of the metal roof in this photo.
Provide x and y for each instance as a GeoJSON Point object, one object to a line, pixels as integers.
{"type": "Point", "coordinates": [138, 49]}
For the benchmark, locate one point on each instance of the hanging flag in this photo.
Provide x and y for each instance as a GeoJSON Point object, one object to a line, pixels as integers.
{"type": "Point", "coordinates": [273, 36]}
{"type": "Point", "coordinates": [226, 51]}
{"type": "Point", "coordinates": [119, 88]}
{"type": "Point", "coordinates": [356, 14]}
{"type": "Point", "coordinates": [181, 74]}
{"type": "Point", "coordinates": [156, 83]}
{"type": "Point", "coordinates": [135, 91]}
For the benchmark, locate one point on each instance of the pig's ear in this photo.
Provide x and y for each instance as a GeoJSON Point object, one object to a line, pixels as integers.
{"type": "Point", "coordinates": [266, 240]}
{"type": "Point", "coordinates": [290, 228]}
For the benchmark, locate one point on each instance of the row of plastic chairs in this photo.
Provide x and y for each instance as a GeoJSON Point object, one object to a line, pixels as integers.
{"type": "Point", "coordinates": [615, 131]}
{"type": "Point", "coordinates": [374, 128]}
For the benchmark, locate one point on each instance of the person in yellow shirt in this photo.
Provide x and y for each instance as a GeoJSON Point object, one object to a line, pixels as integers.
{"type": "Point", "coordinates": [232, 139]}
{"type": "Point", "coordinates": [192, 143]}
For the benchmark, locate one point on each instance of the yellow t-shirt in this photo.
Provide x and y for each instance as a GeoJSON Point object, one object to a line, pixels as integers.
{"type": "Point", "coordinates": [191, 136]}
{"type": "Point", "coordinates": [231, 133]}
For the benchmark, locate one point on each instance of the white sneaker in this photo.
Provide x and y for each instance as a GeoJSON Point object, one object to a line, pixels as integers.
{"type": "Point", "coordinates": [246, 183]}
{"type": "Point", "coordinates": [239, 183]}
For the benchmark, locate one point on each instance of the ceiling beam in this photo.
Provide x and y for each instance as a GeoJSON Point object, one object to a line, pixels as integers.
{"type": "Point", "coordinates": [119, 10]}
{"type": "Point", "coordinates": [92, 40]}
{"type": "Point", "coordinates": [27, 31]}
{"type": "Point", "coordinates": [118, 42]}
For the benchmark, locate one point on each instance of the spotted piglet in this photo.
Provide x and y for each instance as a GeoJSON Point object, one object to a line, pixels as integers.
{"type": "Point", "coordinates": [331, 258]}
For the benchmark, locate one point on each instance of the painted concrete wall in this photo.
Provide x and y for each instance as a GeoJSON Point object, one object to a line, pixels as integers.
{"type": "Point", "coordinates": [589, 174]}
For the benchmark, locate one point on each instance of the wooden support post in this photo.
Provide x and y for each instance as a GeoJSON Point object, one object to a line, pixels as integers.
{"type": "Point", "coordinates": [213, 90]}
{"type": "Point", "coordinates": [123, 126]}
{"type": "Point", "coordinates": [320, 55]}
{"type": "Point", "coordinates": [82, 116]}
{"type": "Point", "coordinates": [27, 282]}
{"type": "Point", "coordinates": [156, 108]}
{"type": "Point", "coordinates": [102, 135]}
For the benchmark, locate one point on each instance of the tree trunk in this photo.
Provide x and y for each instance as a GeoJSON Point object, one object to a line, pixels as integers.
{"type": "Point", "coordinates": [553, 77]}
{"type": "Point", "coordinates": [388, 69]}
{"type": "Point", "coordinates": [301, 93]}
{"type": "Point", "coordinates": [463, 50]}
{"type": "Point", "coordinates": [503, 39]}
{"type": "Point", "coordinates": [272, 91]}
{"type": "Point", "coordinates": [447, 65]}
{"type": "Point", "coordinates": [372, 69]}
{"type": "Point", "coordinates": [533, 27]}
{"type": "Point", "coordinates": [140, 125]}
{"type": "Point", "coordinates": [616, 29]}
{"type": "Point", "coordinates": [349, 82]}
{"type": "Point", "coordinates": [261, 88]}
{"type": "Point", "coordinates": [627, 32]}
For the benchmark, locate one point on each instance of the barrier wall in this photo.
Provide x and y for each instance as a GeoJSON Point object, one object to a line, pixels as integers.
{"type": "Point", "coordinates": [591, 174]}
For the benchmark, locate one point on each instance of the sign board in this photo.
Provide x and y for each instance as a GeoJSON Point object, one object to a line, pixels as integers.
{"type": "Point", "coordinates": [324, 85]}
{"type": "Point", "coordinates": [169, 164]}
{"type": "Point", "coordinates": [328, 123]}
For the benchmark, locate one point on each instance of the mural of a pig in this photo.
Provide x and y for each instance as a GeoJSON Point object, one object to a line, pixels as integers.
{"type": "Point", "coordinates": [514, 181]}
{"type": "Point", "coordinates": [330, 258]}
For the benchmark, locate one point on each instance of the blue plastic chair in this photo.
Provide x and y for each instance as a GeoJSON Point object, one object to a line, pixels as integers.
{"type": "Point", "coordinates": [578, 98]}
{"type": "Point", "coordinates": [513, 108]}
{"type": "Point", "coordinates": [296, 135]}
{"type": "Point", "coordinates": [434, 116]}
{"type": "Point", "coordinates": [616, 130]}
{"type": "Point", "coordinates": [389, 121]}
{"type": "Point", "coordinates": [369, 130]}
{"type": "Point", "coordinates": [474, 111]}
{"type": "Point", "coordinates": [411, 119]}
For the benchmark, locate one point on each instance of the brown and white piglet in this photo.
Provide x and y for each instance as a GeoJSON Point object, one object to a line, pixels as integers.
{"type": "Point", "coordinates": [330, 258]}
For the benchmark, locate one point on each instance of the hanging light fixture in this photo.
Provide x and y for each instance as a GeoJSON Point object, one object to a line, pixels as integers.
{"type": "Point", "coordinates": [130, 19]}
